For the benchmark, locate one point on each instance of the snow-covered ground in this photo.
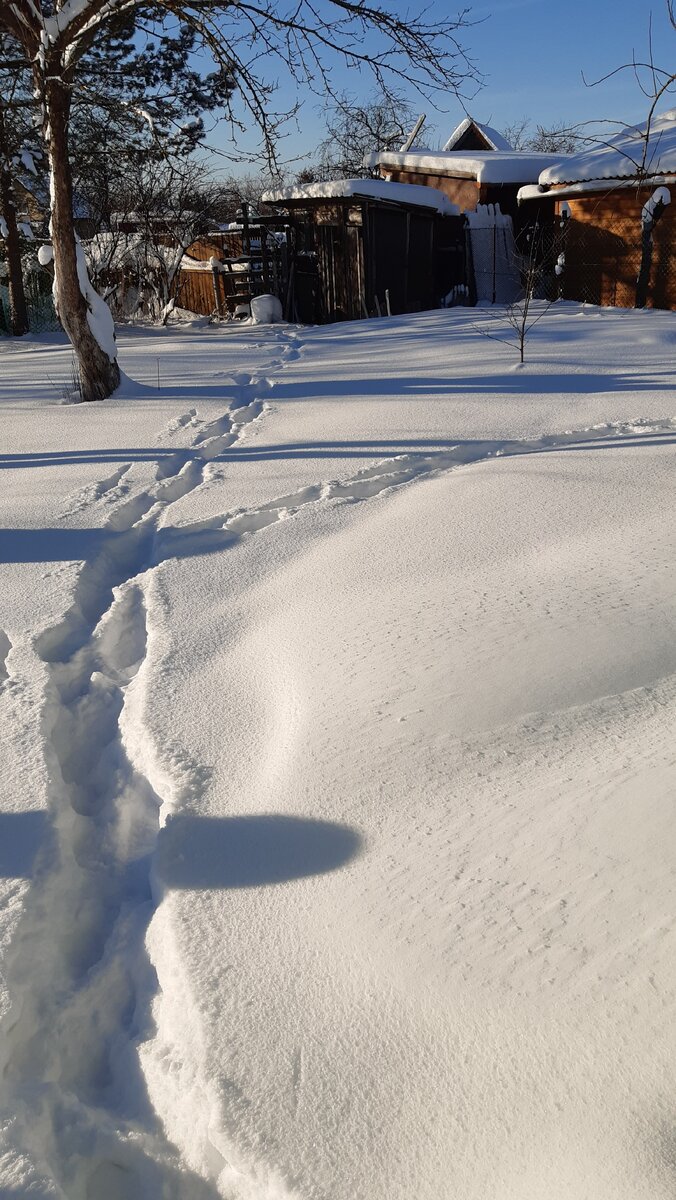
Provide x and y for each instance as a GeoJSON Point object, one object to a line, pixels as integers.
{"type": "Point", "coordinates": [338, 709]}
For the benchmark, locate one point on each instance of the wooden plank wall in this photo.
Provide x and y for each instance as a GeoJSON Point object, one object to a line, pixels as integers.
{"type": "Point", "coordinates": [196, 292]}
{"type": "Point", "coordinates": [463, 192]}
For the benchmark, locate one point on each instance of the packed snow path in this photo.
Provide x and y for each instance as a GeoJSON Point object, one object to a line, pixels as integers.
{"type": "Point", "coordinates": [86, 1113]}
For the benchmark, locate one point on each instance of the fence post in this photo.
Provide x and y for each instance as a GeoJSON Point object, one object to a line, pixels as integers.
{"type": "Point", "coordinates": [216, 281]}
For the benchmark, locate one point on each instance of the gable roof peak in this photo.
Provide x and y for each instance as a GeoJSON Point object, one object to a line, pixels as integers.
{"type": "Point", "coordinates": [471, 134]}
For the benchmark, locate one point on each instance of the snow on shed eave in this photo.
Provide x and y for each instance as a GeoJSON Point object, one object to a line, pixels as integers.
{"type": "Point", "coordinates": [590, 187]}
{"type": "Point", "coordinates": [413, 194]}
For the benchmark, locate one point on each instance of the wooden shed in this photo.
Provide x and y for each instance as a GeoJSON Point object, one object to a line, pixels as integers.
{"type": "Point", "coordinates": [603, 195]}
{"type": "Point", "coordinates": [468, 178]}
{"type": "Point", "coordinates": [363, 246]}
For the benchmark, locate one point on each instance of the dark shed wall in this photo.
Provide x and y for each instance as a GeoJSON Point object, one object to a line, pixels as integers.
{"type": "Point", "coordinates": [349, 255]}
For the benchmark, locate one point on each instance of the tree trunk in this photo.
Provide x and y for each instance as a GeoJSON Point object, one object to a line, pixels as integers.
{"type": "Point", "coordinates": [646, 264]}
{"type": "Point", "coordinates": [18, 314]}
{"type": "Point", "coordinates": [99, 374]}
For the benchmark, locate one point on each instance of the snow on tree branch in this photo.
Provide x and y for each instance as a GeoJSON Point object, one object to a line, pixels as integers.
{"type": "Point", "coordinates": [658, 201]}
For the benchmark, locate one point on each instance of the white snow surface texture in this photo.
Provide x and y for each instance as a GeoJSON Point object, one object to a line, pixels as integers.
{"type": "Point", "coordinates": [338, 700]}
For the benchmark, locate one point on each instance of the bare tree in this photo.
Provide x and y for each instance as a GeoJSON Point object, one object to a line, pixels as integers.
{"type": "Point", "coordinates": [18, 312]}
{"type": "Point", "coordinates": [162, 207]}
{"type": "Point", "coordinates": [16, 162]}
{"type": "Point", "coordinates": [545, 139]}
{"type": "Point", "coordinates": [522, 314]}
{"type": "Point", "coordinates": [354, 129]}
{"type": "Point", "coordinates": [243, 37]}
{"type": "Point", "coordinates": [232, 191]}
{"type": "Point", "coordinates": [641, 149]}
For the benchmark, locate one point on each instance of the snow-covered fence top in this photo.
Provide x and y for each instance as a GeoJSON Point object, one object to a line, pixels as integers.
{"type": "Point", "coordinates": [486, 166]}
{"type": "Point", "coordinates": [369, 189]}
{"type": "Point", "coordinates": [636, 150]}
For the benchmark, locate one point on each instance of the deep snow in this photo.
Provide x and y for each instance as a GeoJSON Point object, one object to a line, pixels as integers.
{"type": "Point", "coordinates": [338, 691]}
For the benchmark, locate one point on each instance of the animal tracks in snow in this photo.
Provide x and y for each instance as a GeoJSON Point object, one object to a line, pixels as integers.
{"type": "Point", "coordinates": [188, 418]}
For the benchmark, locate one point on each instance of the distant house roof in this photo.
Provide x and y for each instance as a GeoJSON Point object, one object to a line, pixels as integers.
{"type": "Point", "coordinates": [471, 135]}
{"type": "Point", "coordinates": [623, 156]}
{"type": "Point", "coordinates": [488, 166]}
{"type": "Point", "coordinates": [414, 194]}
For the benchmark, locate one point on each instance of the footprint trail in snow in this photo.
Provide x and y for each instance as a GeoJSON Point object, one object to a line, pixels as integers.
{"type": "Point", "coordinates": [80, 979]}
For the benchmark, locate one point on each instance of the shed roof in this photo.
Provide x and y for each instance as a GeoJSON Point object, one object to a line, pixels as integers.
{"type": "Point", "coordinates": [589, 187]}
{"type": "Point", "coordinates": [623, 156]}
{"type": "Point", "coordinates": [493, 140]}
{"type": "Point", "coordinates": [411, 194]}
{"type": "Point", "coordinates": [486, 166]}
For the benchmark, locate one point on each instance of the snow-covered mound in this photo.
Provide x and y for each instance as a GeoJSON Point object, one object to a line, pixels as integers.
{"type": "Point", "coordinates": [338, 685]}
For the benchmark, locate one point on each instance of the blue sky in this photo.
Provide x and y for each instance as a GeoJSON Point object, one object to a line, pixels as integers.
{"type": "Point", "coordinates": [532, 54]}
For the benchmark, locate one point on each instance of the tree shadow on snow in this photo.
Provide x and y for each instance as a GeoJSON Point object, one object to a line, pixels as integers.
{"type": "Point", "coordinates": [556, 381]}
{"type": "Point", "coordinates": [50, 545]}
{"type": "Point", "coordinates": [257, 452]}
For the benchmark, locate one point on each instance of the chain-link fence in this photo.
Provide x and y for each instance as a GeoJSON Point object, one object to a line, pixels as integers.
{"type": "Point", "coordinates": [569, 259]}
{"type": "Point", "coordinates": [592, 261]}
{"type": "Point", "coordinates": [603, 262]}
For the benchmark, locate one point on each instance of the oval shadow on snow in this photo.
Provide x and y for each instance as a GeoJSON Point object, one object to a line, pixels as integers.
{"type": "Point", "coordinates": [243, 852]}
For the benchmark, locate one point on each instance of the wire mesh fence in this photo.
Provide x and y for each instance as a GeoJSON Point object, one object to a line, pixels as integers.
{"type": "Point", "coordinates": [570, 260]}
{"type": "Point", "coordinates": [42, 316]}
{"type": "Point", "coordinates": [562, 258]}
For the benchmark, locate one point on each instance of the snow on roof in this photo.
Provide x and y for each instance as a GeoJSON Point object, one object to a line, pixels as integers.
{"type": "Point", "coordinates": [495, 140]}
{"type": "Point", "coordinates": [486, 166]}
{"type": "Point", "coordinates": [586, 187]}
{"type": "Point", "coordinates": [374, 189]}
{"type": "Point", "coordinates": [622, 156]}
{"type": "Point", "coordinates": [188, 263]}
